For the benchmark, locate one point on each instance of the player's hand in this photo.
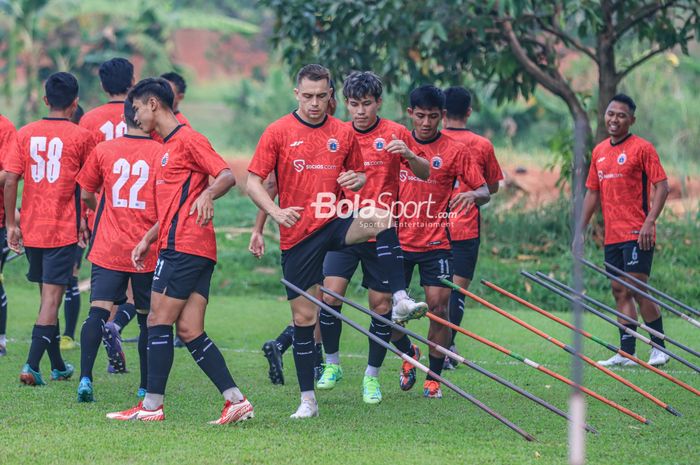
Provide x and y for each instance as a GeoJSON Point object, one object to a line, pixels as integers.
{"type": "Point", "coordinates": [287, 217]}
{"type": "Point", "coordinates": [83, 234]}
{"type": "Point", "coordinates": [399, 147]}
{"type": "Point", "coordinates": [646, 236]}
{"type": "Point", "coordinates": [14, 239]}
{"type": "Point", "coordinates": [462, 201]}
{"type": "Point", "coordinates": [578, 242]}
{"type": "Point", "coordinates": [351, 180]}
{"type": "Point", "coordinates": [204, 206]}
{"type": "Point", "coordinates": [138, 255]}
{"type": "Point", "coordinates": [256, 246]}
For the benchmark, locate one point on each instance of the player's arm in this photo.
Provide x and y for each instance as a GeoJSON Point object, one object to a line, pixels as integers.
{"type": "Point", "coordinates": [591, 201]}
{"type": "Point", "coordinates": [139, 253]}
{"type": "Point", "coordinates": [204, 205]}
{"type": "Point", "coordinates": [89, 198]}
{"type": "Point", "coordinates": [419, 165]}
{"type": "Point", "coordinates": [646, 234]}
{"type": "Point", "coordinates": [286, 217]}
{"type": "Point", "coordinates": [256, 246]}
{"type": "Point", "coordinates": [14, 235]}
{"type": "Point", "coordinates": [479, 196]}
{"type": "Point", "coordinates": [352, 180]}
{"type": "Point", "coordinates": [493, 188]}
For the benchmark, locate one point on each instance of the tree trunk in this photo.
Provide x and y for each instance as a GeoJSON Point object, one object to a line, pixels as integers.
{"type": "Point", "coordinates": [607, 76]}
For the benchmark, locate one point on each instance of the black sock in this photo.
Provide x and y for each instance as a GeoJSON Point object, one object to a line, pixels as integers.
{"type": "Point", "coordinates": [143, 349]}
{"type": "Point", "coordinates": [658, 325]}
{"type": "Point", "coordinates": [331, 327]}
{"type": "Point", "coordinates": [456, 311]}
{"type": "Point", "coordinates": [90, 339]}
{"type": "Point", "coordinates": [125, 313]}
{"type": "Point", "coordinates": [304, 356]}
{"type": "Point", "coordinates": [210, 360]}
{"type": "Point", "coordinates": [319, 354]}
{"type": "Point", "coordinates": [628, 343]}
{"type": "Point", "coordinates": [3, 309]}
{"type": "Point", "coordinates": [390, 257]}
{"type": "Point", "coordinates": [53, 350]}
{"type": "Point", "coordinates": [41, 338]}
{"type": "Point", "coordinates": [160, 357]}
{"type": "Point", "coordinates": [377, 352]}
{"type": "Point", "coordinates": [285, 339]}
{"type": "Point", "coordinates": [435, 366]}
{"type": "Point", "coordinates": [405, 346]}
{"type": "Point", "coordinates": [71, 307]}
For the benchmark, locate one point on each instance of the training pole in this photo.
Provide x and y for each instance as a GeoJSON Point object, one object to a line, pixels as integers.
{"type": "Point", "coordinates": [588, 335]}
{"type": "Point", "coordinates": [636, 290]}
{"type": "Point", "coordinates": [651, 288]}
{"type": "Point", "coordinates": [525, 435]}
{"type": "Point", "coordinates": [454, 356]}
{"type": "Point", "coordinates": [564, 347]}
{"type": "Point", "coordinates": [613, 322]}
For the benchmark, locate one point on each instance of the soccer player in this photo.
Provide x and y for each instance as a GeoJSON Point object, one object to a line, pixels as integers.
{"type": "Point", "coordinates": [179, 87]}
{"type": "Point", "coordinates": [387, 149]}
{"type": "Point", "coordinates": [623, 170]}
{"type": "Point", "coordinates": [315, 156]}
{"type": "Point", "coordinates": [50, 154]}
{"type": "Point", "coordinates": [427, 206]}
{"type": "Point", "coordinates": [123, 169]}
{"type": "Point", "coordinates": [186, 254]}
{"type": "Point", "coordinates": [465, 229]}
{"type": "Point", "coordinates": [8, 144]}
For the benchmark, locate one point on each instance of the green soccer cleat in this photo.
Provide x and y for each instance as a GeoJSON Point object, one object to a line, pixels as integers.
{"type": "Point", "coordinates": [371, 394]}
{"type": "Point", "coordinates": [62, 375]}
{"type": "Point", "coordinates": [30, 377]}
{"type": "Point", "coordinates": [332, 373]}
{"type": "Point", "coordinates": [85, 393]}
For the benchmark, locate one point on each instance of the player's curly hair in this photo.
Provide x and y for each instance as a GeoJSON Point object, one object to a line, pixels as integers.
{"type": "Point", "coordinates": [362, 84]}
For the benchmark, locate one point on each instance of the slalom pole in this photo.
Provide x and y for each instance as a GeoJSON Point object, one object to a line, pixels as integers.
{"type": "Point", "coordinates": [613, 322]}
{"type": "Point", "coordinates": [651, 288]}
{"type": "Point", "coordinates": [629, 286]}
{"type": "Point", "coordinates": [525, 435]}
{"type": "Point", "coordinates": [563, 346]}
{"type": "Point", "coordinates": [620, 315]}
{"type": "Point", "coordinates": [590, 336]}
{"type": "Point", "coordinates": [454, 356]}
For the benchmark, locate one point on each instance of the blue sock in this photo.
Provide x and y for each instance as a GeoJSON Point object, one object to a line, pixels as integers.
{"type": "Point", "coordinates": [304, 356]}
{"type": "Point", "coordinates": [71, 307]}
{"type": "Point", "coordinates": [160, 357]}
{"type": "Point", "coordinates": [331, 328]}
{"type": "Point", "coordinates": [210, 360]}
{"type": "Point", "coordinates": [456, 311]}
{"type": "Point", "coordinates": [90, 339]}
{"type": "Point", "coordinates": [390, 257]}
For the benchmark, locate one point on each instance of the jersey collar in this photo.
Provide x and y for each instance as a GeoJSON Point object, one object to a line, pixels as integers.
{"type": "Point", "coordinates": [313, 126]}
{"type": "Point", "coordinates": [130, 136]}
{"type": "Point", "coordinates": [169, 136]}
{"type": "Point", "coordinates": [115, 101]}
{"type": "Point", "coordinates": [426, 142]}
{"type": "Point", "coordinates": [624, 139]}
{"type": "Point", "coordinates": [457, 129]}
{"type": "Point", "coordinates": [47, 118]}
{"type": "Point", "coordinates": [369, 129]}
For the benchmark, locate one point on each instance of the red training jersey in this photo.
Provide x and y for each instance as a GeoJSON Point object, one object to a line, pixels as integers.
{"type": "Point", "coordinates": [424, 204]}
{"type": "Point", "coordinates": [180, 119]}
{"type": "Point", "coordinates": [624, 173]}
{"type": "Point", "coordinates": [467, 224]}
{"type": "Point", "coordinates": [307, 160]}
{"type": "Point", "coordinates": [105, 121]}
{"type": "Point", "coordinates": [8, 144]}
{"type": "Point", "coordinates": [51, 152]}
{"type": "Point", "coordinates": [182, 175]}
{"type": "Point", "coordinates": [124, 169]}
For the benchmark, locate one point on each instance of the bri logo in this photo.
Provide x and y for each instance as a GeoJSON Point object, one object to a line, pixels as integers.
{"type": "Point", "coordinates": [333, 145]}
{"type": "Point", "coordinates": [164, 160]}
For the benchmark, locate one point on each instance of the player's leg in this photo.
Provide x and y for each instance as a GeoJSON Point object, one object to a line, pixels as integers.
{"type": "Point", "coordinates": [141, 288]}
{"type": "Point", "coordinates": [71, 304]}
{"type": "Point", "coordinates": [380, 303]}
{"type": "Point", "coordinates": [304, 315]}
{"type": "Point", "coordinates": [3, 294]}
{"type": "Point", "coordinates": [465, 254]}
{"type": "Point", "coordinates": [122, 313]}
{"type": "Point", "coordinates": [273, 351]}
{"type": "Point", "coordinates": [407, 375]}
{"type": "Point", "coordinates": [126, 311]}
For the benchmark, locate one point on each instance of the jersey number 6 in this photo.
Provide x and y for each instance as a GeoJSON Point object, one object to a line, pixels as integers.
{"type": "Point", "coordinates": [124, 170]}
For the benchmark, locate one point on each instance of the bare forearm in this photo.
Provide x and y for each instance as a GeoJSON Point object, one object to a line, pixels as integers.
{"type": "Point", "coordinates": [590, 203]}
{"type": "Point", "coordinates": [493, 188]}
{"type": "Point", "coordinates": [258, 194]}
{"type": "Point", "coordinates": [260, 220]}
{"type": "Point", "coordinates": [659, 200]}
{"type": "Point", "coordinates": [482, 195]}
{"type": "Point", "coordinates": [222, 184]}
{"type": "Point", "coordinates": [420, 167]}
{"type": "Point", "coordinates": [89, 199]}
{"type": "Point", "coordinates": [152, 234]}
{"type": "Point", "coordinates": [10, 191]}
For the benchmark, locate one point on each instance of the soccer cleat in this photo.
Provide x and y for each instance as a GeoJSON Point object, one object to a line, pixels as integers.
{"type": "Point", "coordinates": [67, 343]}
{"type": "Point", "coordinates": [141, 393]}
{"type": "Point", "coordinates": [371, 393]}
{"type": "Point", "coordinates": [658, 358]}
{"type": "Point", "coordinates": [234, 413]}
{"type": "Point", "coordinates": [408, 309]}
{"type": "Point", "coordinates": [138, 413]}
{"type": "Point", "coordinates": [332, 373]}
{"type": "Point", "coordinates": [274, 359]}
{"type": "Point", "coordinates": [448, 364]}
{"type": "Point", "coordinates": [62, 375]}
{"type": "Point", "coordinates": [408, 372]}
{"type": "Point", "coordinates": [3, 350]}
{"type": "Point", "coordinates": [85, 393]}
{"type": "Point", "coordinates": [30, 377]}
{"type": "Point", "coordinates": [307, 409]}
{"type": "Point", "coordinates": [617, 359]}
{"type": "Point", "coordinates": [431, 389]}
{"type": "Point", "coordinates": [113, 344]}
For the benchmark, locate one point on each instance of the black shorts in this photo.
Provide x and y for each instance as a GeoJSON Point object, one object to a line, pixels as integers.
{"type": "Point", "coordinates": [432, 266]}
{"type": "Point", "coordinates": [302, 265]}
{"type": "Point", "coordinates": [79, 256]}
{"type": "Point", "coordinates": [110, 285]}
{"type": "Point", "coordinates": [51, 265]}
{"type": "Point", "coordinates": [343, 263]}
{"type": "Point", "coordinates": [628, 257]}
{"type": "Point", "coordinates": [465, 253]}
{"type": "Point", "coordinates": [179, 274]}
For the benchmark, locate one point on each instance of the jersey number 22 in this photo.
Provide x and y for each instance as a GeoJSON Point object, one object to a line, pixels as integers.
{"type": "Point", "coordinates": [125, 170]}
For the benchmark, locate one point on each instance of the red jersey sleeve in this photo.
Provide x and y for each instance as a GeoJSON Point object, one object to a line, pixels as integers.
{"type": "Point", "coordinates": [652, 165]}
{"type": "Point", "coordinates": [206, 159]}
{"type": "Point", "coordinates": [89, 145]}
{"type": "Point", "coordinates": [265, 156]}
{"type": "Point", "coordinates": [593, 183]}
{"type": "Point", "coordinates": [492, 170]}
{"type": "Point", "coordinates": [354, 161]}
{"type": "Point", "coordinates": [14, 159]}
{"type": "Point", "coordinates": [8, 145]}
{"type": "Point", "coordinates": [90, 176]}
{"type": "Point", "coordinates": [469, 174]}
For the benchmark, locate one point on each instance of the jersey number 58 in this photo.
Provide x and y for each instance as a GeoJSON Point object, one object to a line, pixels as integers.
{"type": "Point", "coordinates": [50, 168]}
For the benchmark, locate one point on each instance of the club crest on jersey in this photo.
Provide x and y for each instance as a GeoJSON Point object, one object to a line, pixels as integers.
{"type": "Point", "coordinates": [436, 162]}
{"type": "Point", "coordinates": [403, 175]}
{"type": "Point", "coordinates": [164, 160]}
{"type": "Point", "coordinates": [379, 144]}
{"type": "Point", "coordinates": [299, 165]}
{"type": "Point", "coordinates": [333, 145]}
{"type": "Point", "coordinates": [622, 158]}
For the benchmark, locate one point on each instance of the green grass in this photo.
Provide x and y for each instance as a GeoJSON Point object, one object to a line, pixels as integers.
{"type": "Point", "coordinates": [46, 425]}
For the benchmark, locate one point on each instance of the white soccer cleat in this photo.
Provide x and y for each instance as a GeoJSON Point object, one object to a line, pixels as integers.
{"type": "Point", "coordinates": [408, 309]}
{"type": "Point", "coordinates": [658, 358]}
{"type": "Point", "coordinates": [617, 359]}
{"type": "Point", "coordinates": [307, 409]}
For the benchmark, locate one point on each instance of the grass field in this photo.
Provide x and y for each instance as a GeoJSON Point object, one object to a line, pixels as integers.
{"type": "Point", "coordinates": [47, 425]}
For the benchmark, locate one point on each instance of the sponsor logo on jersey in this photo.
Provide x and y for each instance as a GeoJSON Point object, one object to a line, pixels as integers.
{"type": "Point", "coordinates": [374, 163]}
{"type": "Point", "coordinates": [436, 162]}
{"type": "Point", "coordinates": [405, 176]}
{"type": "Point", "coordinates": [379, 144]}
{"type": "Point", "coordinates": [622, 158]}
{"type": "Point", "coordinates": [296, 143]}
{"type": "Point", "coordinates": [602, 175]}
{"type": "Point", "coordinates": [300, 165]}
{"type": "Point", "coordinates": [600, 160]}
{"type": "Point", "coordinates": [333, 145]}
{"type": "Point", "coordinates": [164, 160]}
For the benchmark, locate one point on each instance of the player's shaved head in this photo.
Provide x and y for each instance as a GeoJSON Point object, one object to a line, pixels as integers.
{"type": "Point", "coordinates": [61, 90]}
{"type": "Point", "coordinates": [458, 101]}
{"type": "Point", "coordinates": [313, 72]}
{"type": "Point", "coordinates": [157, 88]}
{"type": "Point", "coordinates": [130, 114]}
{"type": "Point", "coordinates": [362, 84]}
{"type": "Point", "coordinates": [116, 75]}
{"type": "Point", "coordinates": [427, 97]}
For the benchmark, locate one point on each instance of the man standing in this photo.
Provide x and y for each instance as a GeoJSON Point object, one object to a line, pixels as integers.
{"type": "Point", "coordinates": [623, 170]}
{"type": "Point", "coordinates": [8, 144]}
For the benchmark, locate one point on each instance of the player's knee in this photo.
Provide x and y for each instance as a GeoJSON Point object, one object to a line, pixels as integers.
{"type": "Point", "coordinates": [620, 292]}
{"type": "Point", "coordinates": [439, 310]}
{"type": "Point", "coordinates": [304, 320]}
{"type": "Point", "coordinates": [330, 300]}
{"type": "Point", "coordinates": [382, 308]}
